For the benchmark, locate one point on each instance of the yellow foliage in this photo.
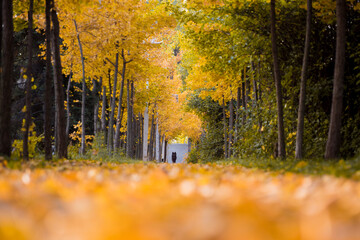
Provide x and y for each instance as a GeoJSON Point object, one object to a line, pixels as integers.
{"type": "Point", "coordinates": [33, 140]}
{"type": "Point", "coordinates": [82, 200]}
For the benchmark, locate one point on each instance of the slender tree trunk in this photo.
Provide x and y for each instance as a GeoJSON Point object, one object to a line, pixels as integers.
{"type": "Point", "coordinates": [301, 113]}
{"type": "Point", "coordinates": [48, 85]}
{"type": "Point", "coordinates": [145, 135]}
{"type": "Point", "coordinates": [132, 138]}
{"type": "Point", "coordinates": [129, 122]}
{"type": "Point", "coordinates": [151, 144]}
{"type": "Point", "coordinates": [255, 96]}
{"type": "Point", "coordinates": [259, 97]}
{"type": "Point", "coordinates": [103, 111]}
{"type": "Point", "coordinates": [28, 84]}
{"type": "Point", "coordinates": [225, 131]}
{"type": "Point", "coordinates": [237, 119]}
{"type": "Point", "coordinates": [7, 78]}
{"type": "Point", "coordinates": [165, 150]}
{"type": "Point", "coordinates": [118, 120]}
{"type": "Point", "coordinates": [141, 134]}
{"type": "Point", "coordinates": [244, 107]}
{"type": "Point", "coordinates": [111, 120]}
{"type": "Point", "coordinates": [281, 135]}
{"type": "Point", "coordinates": [157, 140]}
{"type": "Point", "coordinates": [68, 115]}
{"type": "Point", "coordinates": [334, 136]}
{"type": "Point", "coordinates": [96, 105]}
{"type": "Point", "coordinates": [59, 95]}
{"type": "Point", "coordinates": [231, 127]}
{"type": "Point", "coordinates": [82, 148]}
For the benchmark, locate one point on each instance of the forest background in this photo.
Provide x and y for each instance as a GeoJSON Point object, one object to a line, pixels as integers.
{"type": "Point", "coordinates": [225, 74]}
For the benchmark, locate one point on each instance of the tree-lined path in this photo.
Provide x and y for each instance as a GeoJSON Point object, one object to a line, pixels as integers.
{"type": "Point", "coordinates": [94, 94]}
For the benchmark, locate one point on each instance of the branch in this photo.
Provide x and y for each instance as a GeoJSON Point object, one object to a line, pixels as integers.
{"type": "Point", "coordinates": [110, 61]}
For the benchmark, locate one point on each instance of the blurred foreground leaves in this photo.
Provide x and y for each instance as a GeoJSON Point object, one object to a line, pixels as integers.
{"type": "Point", "coordinates": [83, 200]}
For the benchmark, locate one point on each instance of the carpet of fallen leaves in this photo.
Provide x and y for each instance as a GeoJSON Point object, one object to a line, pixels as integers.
{"type": "Point", "coordinates": [83, 200]}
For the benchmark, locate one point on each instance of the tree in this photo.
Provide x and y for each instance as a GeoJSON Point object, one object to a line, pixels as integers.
{"type": "Point", "coordinates": [280, 117]}
{"type": "Point", "coordinates": [48, 84]}
{"type": "Point", "coordinates": [301, 111]}
{"type": "Point", "coordinates": [7, 78]}
{"type": "Point", "coordinates": [83, 144]}
{"type": "Point", "coordinates": [334, 136]}
{"type": "Point", "coordinates": [61, 138]}
{"type": "Point", "coordinates": [28, 83]}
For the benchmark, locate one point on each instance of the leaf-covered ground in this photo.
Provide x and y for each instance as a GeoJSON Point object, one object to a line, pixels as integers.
{"type": "Point", "coordinates": [83, 200]}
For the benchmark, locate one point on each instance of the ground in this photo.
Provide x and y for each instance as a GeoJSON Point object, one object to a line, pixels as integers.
{"type": "Point", "coordinates": [93, 200]}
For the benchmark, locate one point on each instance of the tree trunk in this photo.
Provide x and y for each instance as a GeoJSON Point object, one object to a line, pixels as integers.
{"type": "Point", "coordinates": [255, 96]}
{"type": "Point", "coordinates": [48, 85]}
{"type": "Point", "coordinates": [111, 120]}
{"type": "Point", "coordinates": [301, 113]}
{"type": "Point", "coordinates": [129, 122]}
{"type": "Point", "coordinates": [334, 136]}
{"type": "Point", "coordinates": [231, 127]}
{"type": "Point", "coordinates": [68, 106]}
{"type": "Point", "coordinates": [28, 84]}
{"type": "Point", "coordinates": [82, 148]}
{"type": "Point", "coordinates": [7, 78]}
{"type": "Point", "coordinates": [237, 119]}
{"type": "Point", "coordinates": [103, 111]}
{"type": "Point", "coordinates": [96, 105]}
{"type": "Point", "coordinates": [118, 119]}
{"type": "Point", "coordinates": [132, 93]}
{"type": "Point", "coordinates": [244, 107]}
{"type": "Point", "coordinates": [281, 135]}
{"type": "Point", "coordinates": [259, 97]}
{"type": "Point", "coordinates": [145, 135]}
{"type": "Point", "coordinates": [151, 144]}
{"type": "Point", "coordinates": [165, 149]}
{"type": "Point", "coordinates": [59, 95]}
{"type": "Point", "coordinates": [157, 140]}
{"type": "Point", "coordinates": [225, 131]}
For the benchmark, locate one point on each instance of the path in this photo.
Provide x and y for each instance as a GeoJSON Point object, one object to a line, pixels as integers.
{"type": "Point", "coordinates": [86, 201]}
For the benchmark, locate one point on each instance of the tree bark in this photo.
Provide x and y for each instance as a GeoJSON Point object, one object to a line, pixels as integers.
{"type": "Point", "coordinates": [231, 127]}
{"type": "Point", "coordinates": [129, 122]}
{"type": "Point", "coordinates": [259, 96]}
{"type": "Point", "coordinates": [111, 120]}
{"type": "Point", "coordinates": [83, 144]}
{"type": "Point", "coordinates": [225, 131]}
{"type": "Point", "coordinates": [165, 149]}
{"type": "Point", "coordinates": [96, 105]}
{"type": "Point", "coordinates": [157, 140]}
{"type": "Point", "coordinates": [237, 119]}
{"type": "Point", "coordinates": [301, 113]}
{"type": "Point", "coordinates": [118, 118]}
{"type": "Point", "coordinates": [59, 95]}
{"type": "Point", "coordinates": [244, 107]}
{"type": "Point", "coordinates": [7, 78]}
{"type": "Point", "coordinates": [145, 135]}
{"type": "Point", "coordinates": [48, 85]}
{"type": "Point", "coordinates": [281, 135]}
{"type": "Point", "coordinates": [334, 136]}
{"type": "Point", "coordinates": [151, 144]}
{"type": "Point", "coordinates": [103, 111]}
{"type": "Point", "coordinates": [28, 84]}
{"type": "Point", "coordinates": [68, 115]}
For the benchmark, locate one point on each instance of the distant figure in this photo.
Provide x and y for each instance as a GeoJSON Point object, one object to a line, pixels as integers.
{"type": "Point", "coordinates": [173, 157]}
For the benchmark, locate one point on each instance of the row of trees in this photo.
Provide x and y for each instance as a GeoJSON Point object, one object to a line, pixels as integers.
{"type": "Point", "coordinates": [113, 69]}
{"type": "Point", "coordinates": [248, 62]}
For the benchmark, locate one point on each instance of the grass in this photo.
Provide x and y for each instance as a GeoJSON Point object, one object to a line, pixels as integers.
{"type": "Point", "coordinates": [339, 168]}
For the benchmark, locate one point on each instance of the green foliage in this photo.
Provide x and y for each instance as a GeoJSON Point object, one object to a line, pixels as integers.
{"type": "Point", "coordinates": [349, 168]}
